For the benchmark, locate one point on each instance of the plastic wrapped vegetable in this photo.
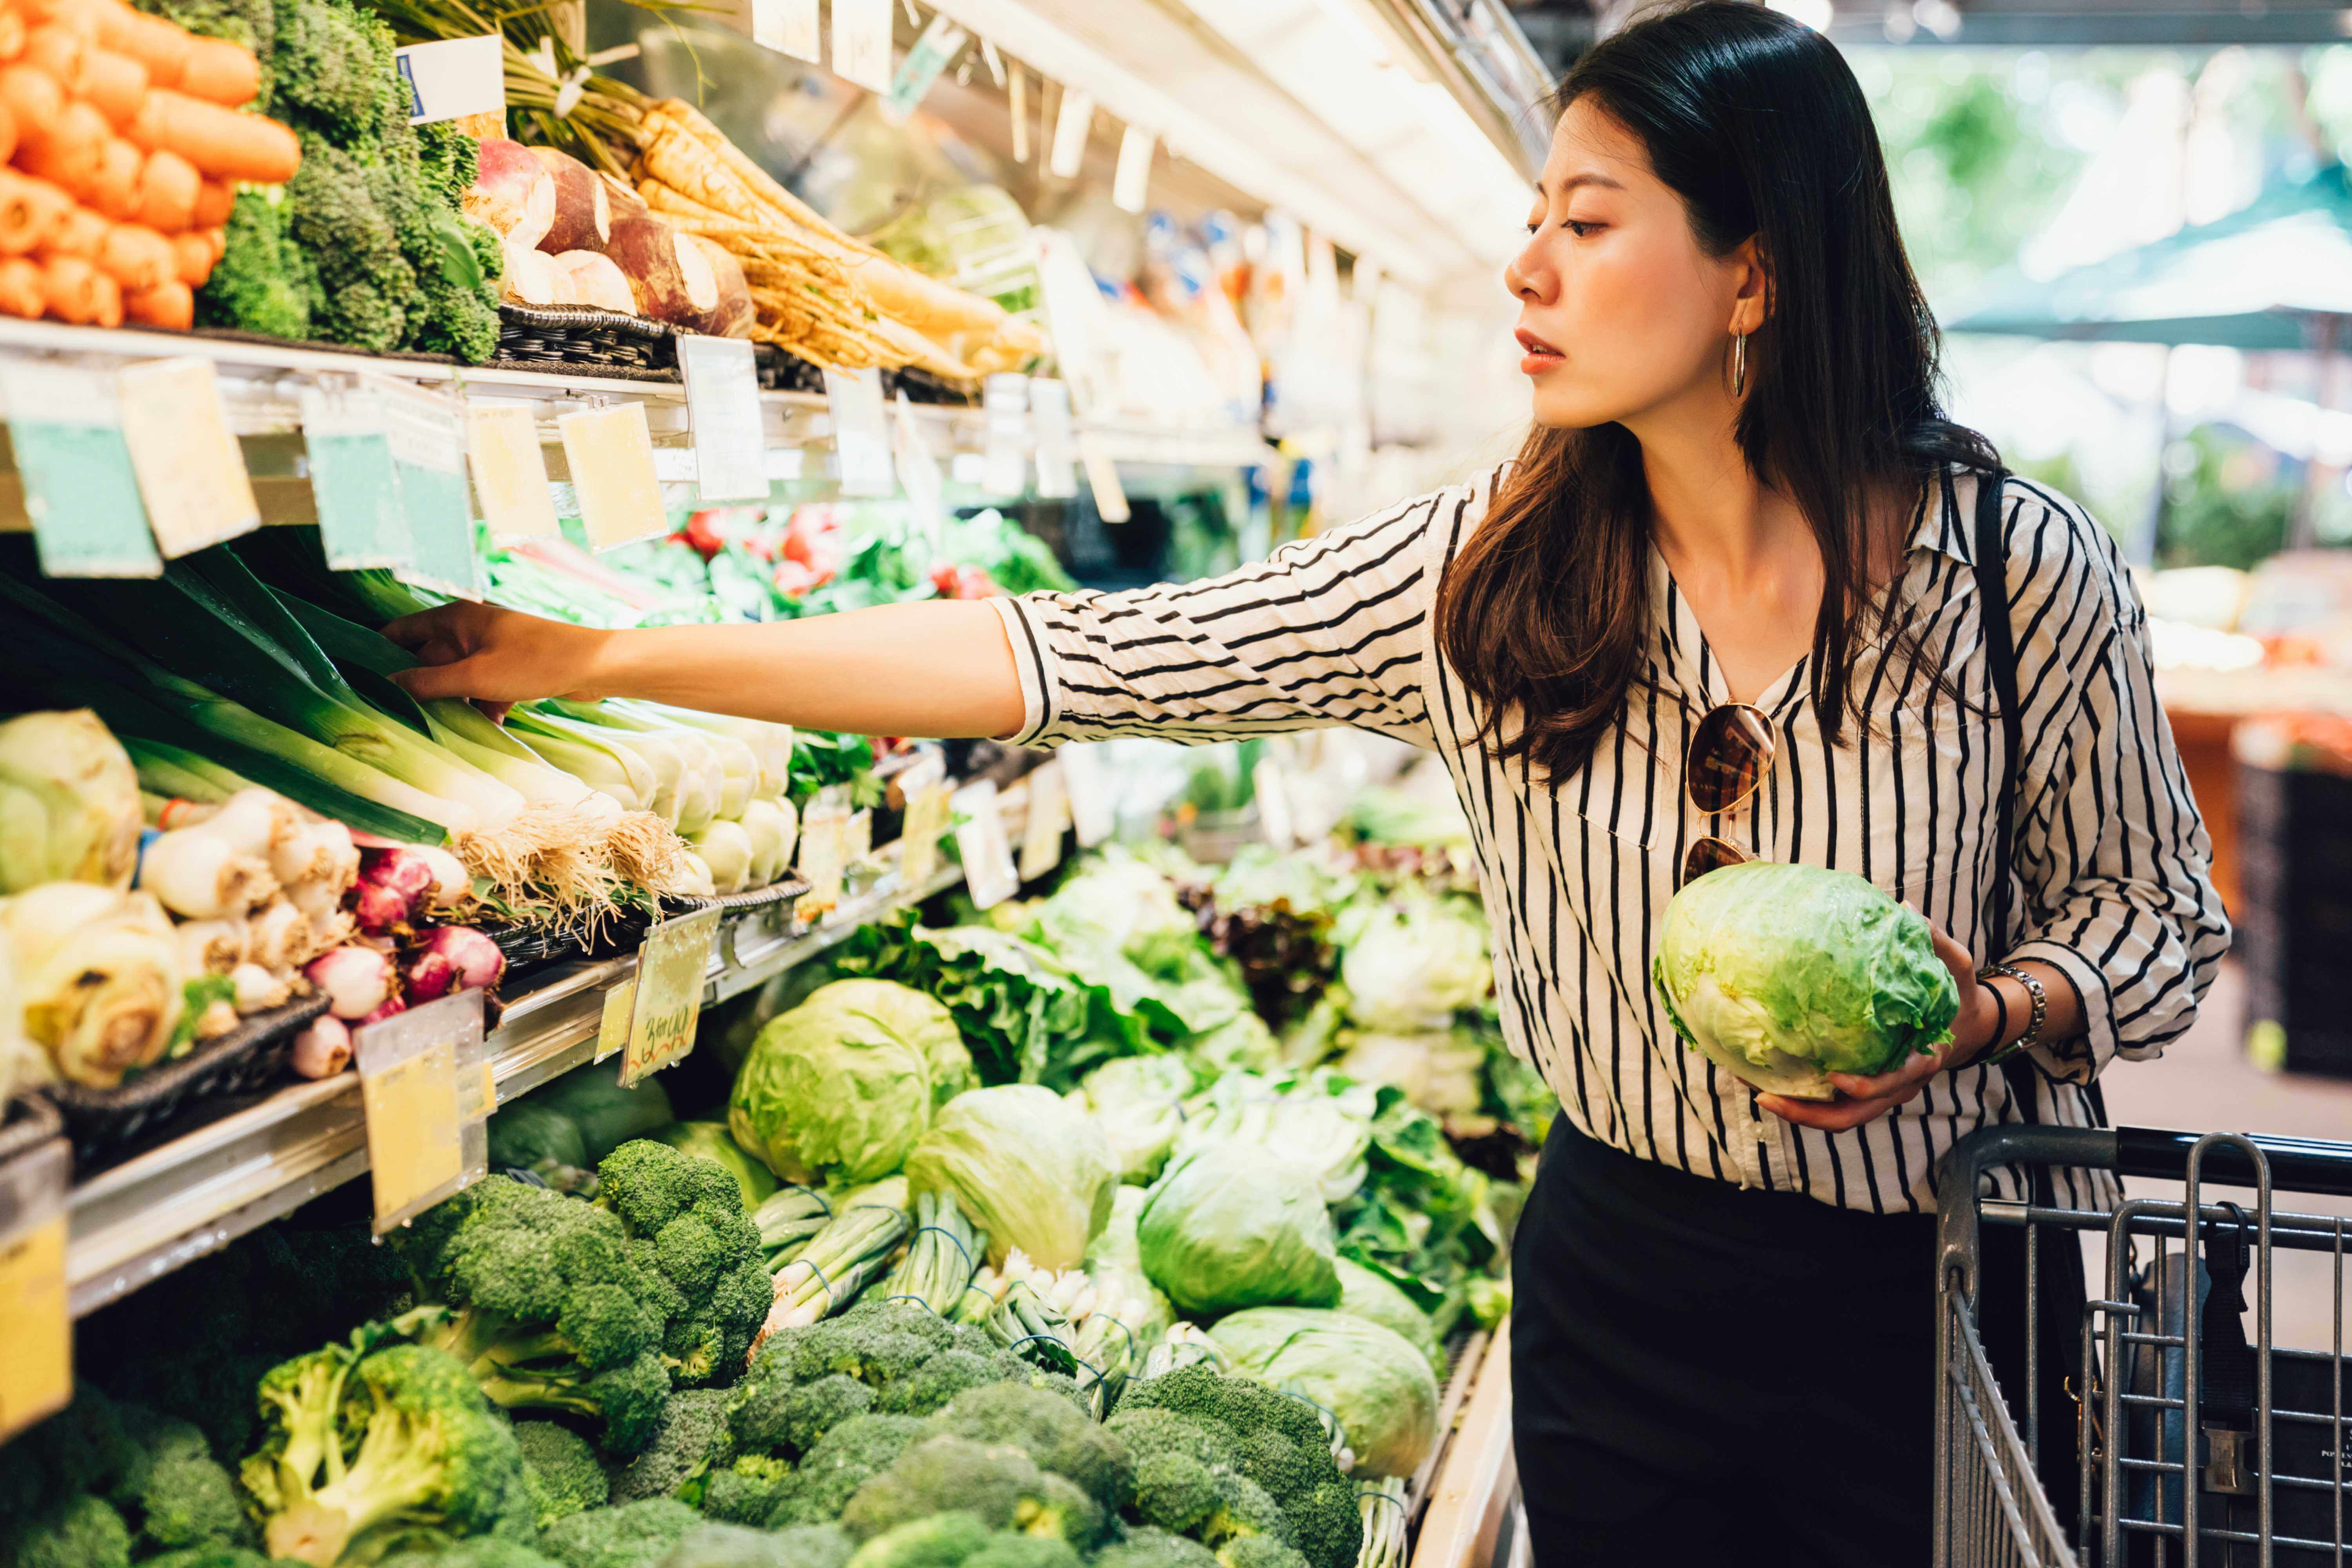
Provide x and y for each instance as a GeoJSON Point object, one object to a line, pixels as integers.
{"type": "Point", "coordinates": [834, 1093]}
{"type": "Point", "coordinates": [1032, 1170]}
{"type": "Point", "coordinates": [1373, 1380]}
{"type": "Point", "coordinates": [1237, 1226]}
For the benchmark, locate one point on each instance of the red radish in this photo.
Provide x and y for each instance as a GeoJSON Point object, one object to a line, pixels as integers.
{"type": "Point", "coordinates": [512, 193]}
{"type": "Point", "coordinates": [429, 977]}
{"type": "Point", "coordinates": [672, 281]}
{"type": "Point", "coordinates": [584, 205]}
{"type": "Point", "coordinates": [391, 1004]}
{"type": "Point", "coordinates": [324, 1048]}
{"type": "Point", "coordinates": [475, 958]}
{"type": "Point", "coordinates": [357, 980]}
{"type": "Point", "coordinates": [597, 280]}
{"type": "Point", "coordinates": [731, 317]}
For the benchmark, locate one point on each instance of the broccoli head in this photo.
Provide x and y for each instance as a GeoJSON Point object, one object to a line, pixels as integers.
{"type": "Point", "coordinates": [634, 1535]}
{"type": "Point", "coordinates": [747, 1491]}
{"type": "Point", "coordinates": [560, 1471]}
{"type": "Point", "coordinates": [187, 1500]}
{"type": "Point", "coordinates": [1173, 1490]}
{"type": "Point", "coordinates": [80, 1531]}
{"type": "Point", "coordinates": [689, 1441]}
{"type": "Point", "coordinates": [362, 283]}
{"type": "Point", "coordinates": [479, 1551]}
{"type": "Point", "coordinates": [1243, 1508]}
{"type": "Point", "coordinates": [1061, 1437]}
{"type": "Point", "coordinates": [998, 1484]}
{"type": "Point", "coordinates": [843, 1461]}
{"type": "Point", "coordinates": [938, 1541]}
{"type": "Point", "coordinates": [1150, 1548]}
{"type": "Point", "coordinates": [541, 1302]}
{"type": "Point", "coordinates": [1258, 1552]}
{"type": "Point", "coordinates": [930, 1386]}
{"type": "Point", "coordinates": [365, 1448]}
{"type": "Point", "coordinates": [732, 1546]}
{"type": "Point", "coordinates": [807, 1379]}
{"type": "Point", "coordinates": [1005, 1551]}
{"type": "Point", "coordinates": [703, 1247]}
{"type": "Point", "coordinates": [85, 1448]}
{"type": "Point", "coordinates": [1266, 1455]}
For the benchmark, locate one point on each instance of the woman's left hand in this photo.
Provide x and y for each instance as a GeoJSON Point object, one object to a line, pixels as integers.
{"type": "Point", "coordinates": [1862, 1100]}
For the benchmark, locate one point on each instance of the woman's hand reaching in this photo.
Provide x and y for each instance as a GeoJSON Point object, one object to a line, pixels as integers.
{"type": "Point", "coordinates": [496, 656]}
{"type": "Point", "coordinates": [1976, 1029]}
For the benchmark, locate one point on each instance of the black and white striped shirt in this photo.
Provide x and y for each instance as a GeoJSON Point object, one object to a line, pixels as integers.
{"type": "Point", "coordinates": [2111, 869]}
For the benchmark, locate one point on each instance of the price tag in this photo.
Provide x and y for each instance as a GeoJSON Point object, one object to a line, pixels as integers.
{"type": "Point", "coordinates": [1004, 404]}
{"type": "Point", "coordinates": [824, 826]}
{"type": "Point", "coordinates": [1049, 404]}
{"type": "Point", "coordinates": [612, 1029]}
{"type": "Point", "coordinates": [427, 433]}
{"type": "Point", "coordinates": [36, 1323]}
{"type": "Point", "coordinates": [1068, 152]}
{"type": "Point", "coordinates": [861, 439]}
{"type": "Point", "coordinates": [510, 472]}
{"type": "Point", "coordinates": [861, 43]}
{"type": "Point", "coordinates": [1102, 477]}
{"type": "Point", "coordinates": [1086, 780]}
{"type": "Point", "coordinates": [348, 442]}
{"type": "Point", "coordinates": [452, 77]}
{"type": "Point", "coordinates": [671, 968]}
{"type": "Point", "coordinates": [857, 839]}
{"type": "Point", "coordinates": [932, 53]}
{"type": "Point", "coordinates": [1131, 184]}
{"type": "Point", "coordinates": [420, 1088]}
{"type": "Point", "coordinates": [988, 873]}
{"type": "Point", "coordinates": [611, 454]}
{"type": "Point", "coordinates": [67, 427]}
{"type": "Point", "coordinates": [787, 26]}
{"type": "Point", "coordinates": [722, 401]}
{"type": "Point", "coordinates": [919, 472]}
{"type": "Point", "coordinates": [926, 821]}
{"type": "Point", "coordinates": [1274, 815]}
{"type": "Point", "coordinates": [1049, 818]}
{"type": "Point", "coordinates": [191, 472]}
{"type": "Point", "coordinates": [1017, 94]}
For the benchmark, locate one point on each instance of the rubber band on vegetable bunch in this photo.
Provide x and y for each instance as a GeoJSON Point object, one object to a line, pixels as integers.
{"type": "Point", "coordinates": [788, 1221]}
{"type": "Point", "coordinates": [840, 1260]}
{"type": "Point", "coordinates": [942, 1257]}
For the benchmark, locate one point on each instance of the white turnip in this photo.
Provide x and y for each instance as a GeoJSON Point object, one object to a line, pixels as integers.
{"type": "Point", "coordinates": [512, 191]}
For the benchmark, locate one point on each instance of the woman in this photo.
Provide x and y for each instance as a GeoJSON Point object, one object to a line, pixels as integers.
{"type": "Point", "coordinates": [1736, 551]}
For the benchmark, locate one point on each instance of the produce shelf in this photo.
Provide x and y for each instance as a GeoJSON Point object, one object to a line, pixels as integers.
{"type": "Point", "coordinates": [138, 1221]}
{"type": "Point", "coordinates": [1476, 1474]}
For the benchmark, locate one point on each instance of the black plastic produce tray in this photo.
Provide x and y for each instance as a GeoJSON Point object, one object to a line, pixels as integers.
{"type": "Point", "coordinates": [584, 339]}
{"type": "Point", "coordinates": [239, 1062]}
{"type": "Point", "coordinates": [737, 903]}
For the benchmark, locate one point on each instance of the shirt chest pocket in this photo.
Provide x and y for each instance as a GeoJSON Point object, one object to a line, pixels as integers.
{"type": "Point", "coordinates": [1928, 792]}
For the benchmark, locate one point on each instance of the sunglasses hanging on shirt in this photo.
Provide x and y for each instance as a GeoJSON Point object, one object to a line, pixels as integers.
{"type": "Point", "coordinates": [1729, 755]}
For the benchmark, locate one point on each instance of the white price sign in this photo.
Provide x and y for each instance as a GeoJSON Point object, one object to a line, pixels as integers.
{"type": "Point", "coordinates": [988, 871]}
{"type": "Point", "coordinates": [722, 400]}
{"type": "Point", "coordinates": [1086, 779]}
{"type": "Point", "coordinates": [861, 435]}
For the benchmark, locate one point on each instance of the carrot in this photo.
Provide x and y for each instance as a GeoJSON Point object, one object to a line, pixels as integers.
{"type": "Point", "coordinates": [154, 43]}
{"type": "Point", "coordinates": [115, 190]}
{"type": "Point", "coordinates": [221, 142]}
{"type": "Point", "coordinates": [81, 16]}
{"type": "Point", "coordinates": [137, 256]}
{"type": "Point", "coordinates": [72, 288]}
{"type": "Point", "coordinates": [168, 188]}
{"type": "Point", "coordinates": [165, 305]}
{"type": "Point", "coordinates": [12, 35]}
{"type": "Point", "coordinates": [215, 199]}
{"type": "Point", "coordinates": [56, 49]}
{"type": "Point", "coordinates": [116, 83]}
{"type": "Point", "coordinates": [7, 134]}
{"type": "Point", "coordinates": [217, 238]}
{"type": "Point", "coordinates": [220, 72]}
{"type": "Point", "coordinates": [70, 151]}
{"type": "Point", "coordinates": [109, 296]}
{"type": "Point", "coordinates": [80, 232]}
{"type": "Point", "coordinates": [23, 291]}
{"type": "Point", "coordinates": [30, 212]}
{"type": "Point", "coordinates": [192, 257]}
{"type": "Point", "coordinates": [34, 97]}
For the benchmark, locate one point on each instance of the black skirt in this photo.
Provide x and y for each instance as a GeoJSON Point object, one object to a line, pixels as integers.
{"type": "Point", "coordinates": [1710, 1374]}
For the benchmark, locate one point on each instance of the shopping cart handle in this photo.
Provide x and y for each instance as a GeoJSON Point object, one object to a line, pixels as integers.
{"type": "Point", "coordinates": [2296, 1164]}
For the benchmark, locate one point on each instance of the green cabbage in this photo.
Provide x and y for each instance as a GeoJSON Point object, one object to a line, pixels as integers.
{"type": "Point", "coordinates": [1372, 1295]}
{"type": "Point", "coordinates": [1410, 965]}
{"type": "Point", "coordinates": [711, 1140]}
{"type": "Point", "coordinates": [1374, 1382]}
{"type": "Point", "coordinates": [921, 1019]}
{"type": "Point", "coordinates": [1026, 1166]}
{"type": "Point", "coordinates": [837, 1092]}
{"type": "Point", "coordinates": [1783, 974]}
{"type": "Point", "coordinates": [1238, 1226]}
{"type": "Point", "coordinates": [1139, 1101]}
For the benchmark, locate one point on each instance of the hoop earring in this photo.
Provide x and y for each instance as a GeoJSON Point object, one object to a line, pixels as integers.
{"type": "Point", "coordinates": [1738, 364]}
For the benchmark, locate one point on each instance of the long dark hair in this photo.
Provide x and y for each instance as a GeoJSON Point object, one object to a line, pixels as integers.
{"type": "Point", "coordinates": [1757, 123]}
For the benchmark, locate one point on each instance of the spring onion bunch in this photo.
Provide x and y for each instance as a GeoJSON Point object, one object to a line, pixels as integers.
{"type": "Point", "coordinates": [942, 1257]}
{"type": "Point", "coordinates": [1382, 1506]}
{"type": "Point", "coordinates": [790, 1218]}
{"type": "Point", "coordinates": [840, 1260]}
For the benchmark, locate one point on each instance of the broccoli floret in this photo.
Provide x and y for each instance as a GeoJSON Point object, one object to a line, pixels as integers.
{"type": "Point", "coordinates": [1235, 1404]}
{"type": "Point", "coordinates": [1265, 1452]}
{"type": "Point", "coordinates": [938, 1540]}
{"type": "Point", "coordinates": [691, 1210]}
{"type": "Point", "coordinates": [1150, 1548]}
{"type": "Point", "coordinates": [543, 1306]}
{"type": "Point", "coordinates": [746, 1493]}
{"type": "Point", "coordinates": [1258, 1552]}
{"type": "Point", "coordinates": [690, 1440]}
{"type": "Point", "coordinates": [560, 1471]}
{"type": "Point", "coordinates": [479, 1551]}
{"type": "Point", "coordinates": [883, 1345]}
{"type": "Point", "coordinates": [1243, 1508]}
{"type": "Point", "coordinates": [731, 1546]}
{"type": "Point", "coordinates": [1025, 1551]}
{"type": "Point", "coordinates": [210, 1556]}
{"type": "Point", "coordinates": [812, 1409]}
{"type": "Point", "coordinates": [1051, 1430]}
{"type": "Point", "coordinates": [1173, 1490]}
{"type": "Point", "coordinates": [186, 1500]}
{"type": "Point", "coordinates": [1328, 1525]}
{"type": "Point", "coordinates": [843, 1461]}
{"type": "Point", "coordinates": [82, 1448]}
{"type": "Point", "coordinates": [634, 1535]}
{"type": "Point", "coordinates": [929, 1387]}
{"type": "Point", "coordinates": [82, 1531]}
{"type": "Point", "coordinates": [1276, 1462]}
{"type": "Point", "coordinates": [1148, 1432]}
{"type": "Point", "coordinates": [999, 1484]}
{"type": "Point", "coordinates": [366, 1449]}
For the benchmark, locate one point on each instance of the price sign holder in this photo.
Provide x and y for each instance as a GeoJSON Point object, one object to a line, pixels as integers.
{"type": "Point", "coordinates": [824, 831]}
{"type": "Point", "coordinates": [787, 26]}
{"type": "Point", "coordinates": [348, 442]}
{"type": "Point", "coordinates": [1067, 150]}
{"type": "Point", "coordinates": [428, 432]}
{"type": "Point", "coordinates": [191, 470]}
{"type": "Point", "coordinates": [67, 427]}
{"type": "Point", "coordinates": [1049, 818]}
{"type": "Point", "coordinates": [510, 472]}
{"type": "Point", "coordinates": [857, 839]}
{"type": "Point", "coordinates": [1004, 402]}
{"type": "Point", "coordinates": [1049, 404]}
{"type": "Point", "coordinates": [610, 451]}
{"type": "Point", "coordinates": [450, 79]}
{"type": "Point", "coordinates": [926, 821]}
{"type": "Point", "coordinates": [666, 998]}
{"type": "Point", "coordinates": [422, 1085]}
{"type": "Point", "coordinates": [1131, 186]}
{"type": "Point", "coordinates": [861, 437]}
{"type": "Point", "coordinates": [988, 871]}
{"type": "Point", "coordinates": [35, 1324]}
{"type": "Point", "coordinates": [723, 402]}
{"type": "Point", "coordinates": [1086, 778]}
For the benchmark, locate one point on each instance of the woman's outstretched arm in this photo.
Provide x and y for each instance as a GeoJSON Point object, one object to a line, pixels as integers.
{"type": "Point", "coordinates": [941, 669]}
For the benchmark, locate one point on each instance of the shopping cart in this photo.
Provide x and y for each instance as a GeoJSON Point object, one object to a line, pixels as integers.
{"type": "Point", "coordinates": [2264, 1481]}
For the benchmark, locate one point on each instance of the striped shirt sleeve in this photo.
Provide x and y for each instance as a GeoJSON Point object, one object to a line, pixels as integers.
{"type": "Point", "coordinates": [2113, 854]}
{"type": "Point", "coordinates": [1327, 631]}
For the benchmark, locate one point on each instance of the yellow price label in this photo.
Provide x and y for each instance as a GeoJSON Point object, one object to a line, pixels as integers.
{"type": "Point", "coordinates": [671, 969]}
{"type": "Point", "coordinates": [37, 1368]}
{"type": "Point", "coordinates": [613, 1029]}
{"type": "Point", "coordinates": [824, 833]}
{"type": "Point", "coordinates": [919, 839]}
{"type": "Point", "coordinates": [191, 470]}
{"type": "Point", "coordinates": [413, 1129]}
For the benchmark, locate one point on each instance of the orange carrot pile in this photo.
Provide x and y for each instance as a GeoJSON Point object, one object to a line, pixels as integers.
{"type": "Point", "coordinates": [124, 139]}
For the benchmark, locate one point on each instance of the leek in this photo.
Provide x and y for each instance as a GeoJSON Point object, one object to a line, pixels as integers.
{"type": "Point", "coordinates": [739, 764]}
{"type": "Point", "coordinates": [771, 744]}
{"type": "Point", "coordinates": [591, 752]}
{"type": "Point", "coordinates": [694, 791]}
{"type": "Point", "coordinates": [176, 773]}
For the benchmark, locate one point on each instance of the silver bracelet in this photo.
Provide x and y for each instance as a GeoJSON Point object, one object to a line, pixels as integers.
{"type": "Point", "coordinates": [2040, 1008]}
